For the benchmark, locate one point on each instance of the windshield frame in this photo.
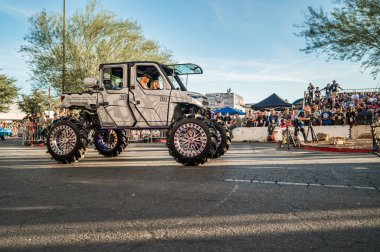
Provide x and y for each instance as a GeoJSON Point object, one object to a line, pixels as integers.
{"type": "Point", "coordinates": [171, 74]}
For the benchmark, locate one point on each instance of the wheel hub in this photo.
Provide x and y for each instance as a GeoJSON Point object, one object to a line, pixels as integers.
{"type": "Point", "coordinates": [63, 139]}
{"type": "Point", "coordinates": [190, 139]}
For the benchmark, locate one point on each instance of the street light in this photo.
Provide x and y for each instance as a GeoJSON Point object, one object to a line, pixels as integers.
{"type": "Point", "coordinates": [64, 47]}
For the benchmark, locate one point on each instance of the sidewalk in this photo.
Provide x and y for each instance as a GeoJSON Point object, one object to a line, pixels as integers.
{"type": "Point", "coordinates": [350, 146]}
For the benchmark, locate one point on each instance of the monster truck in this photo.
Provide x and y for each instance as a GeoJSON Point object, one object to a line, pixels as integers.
{"type": "Point", "coordinates": [138, 95]}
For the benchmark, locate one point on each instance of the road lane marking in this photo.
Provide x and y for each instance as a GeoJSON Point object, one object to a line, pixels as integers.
{"type": "Point", "coordinates": [298, 184]}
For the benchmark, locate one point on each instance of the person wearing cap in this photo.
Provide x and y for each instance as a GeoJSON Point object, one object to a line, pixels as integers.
{"type": "Point", "coordinates": [302, 120]}
{"type": "Point", "coordinates": [144, 81]}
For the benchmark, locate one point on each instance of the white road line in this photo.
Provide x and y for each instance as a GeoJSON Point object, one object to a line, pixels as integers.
{"type": "Point", "coordinates": [298, 184]}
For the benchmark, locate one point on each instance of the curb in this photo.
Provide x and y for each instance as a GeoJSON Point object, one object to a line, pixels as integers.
{"type": "Point", "coordinates": [331, 149]}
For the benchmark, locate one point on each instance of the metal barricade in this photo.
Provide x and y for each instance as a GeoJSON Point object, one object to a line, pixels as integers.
{"type": "Point", "coordinates": [146, 136]}
{"type": "Point", "coordinates": [32, 133]}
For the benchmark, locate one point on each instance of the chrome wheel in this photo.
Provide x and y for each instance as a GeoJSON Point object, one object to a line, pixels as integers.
{"type": "Point", "coordinates": [107, 140]}
{"type": "Point", "coordinates": [63, 140]}
{"type": "Point", "coordinates": [190, 139]}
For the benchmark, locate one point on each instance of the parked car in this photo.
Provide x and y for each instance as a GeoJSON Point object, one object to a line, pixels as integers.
{"type": "Point", "coordinates": [5, 133]}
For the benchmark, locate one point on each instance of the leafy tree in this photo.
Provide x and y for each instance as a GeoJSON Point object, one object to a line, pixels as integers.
{"type": "Point", "coordinates": [350, 32]}
{"type": "Point", "coordinates": [92, 37]}
{"type": "Point", "coordinates": [8, 92]}
{"type": "Point", "coordinates": [36, 102]}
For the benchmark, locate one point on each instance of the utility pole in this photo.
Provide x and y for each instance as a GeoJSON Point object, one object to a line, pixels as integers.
{"type": "Point", "coordinates": [64, 47]}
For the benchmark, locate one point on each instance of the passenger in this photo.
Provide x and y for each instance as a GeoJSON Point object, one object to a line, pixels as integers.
{"type": "Point", "coordinates": [155, 85]}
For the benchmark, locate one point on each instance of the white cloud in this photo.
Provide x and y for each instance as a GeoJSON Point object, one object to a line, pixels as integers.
{"type": "Point", "coordinates": [15, 10]}
{"type": "Point", "coordinates": [257, 79]}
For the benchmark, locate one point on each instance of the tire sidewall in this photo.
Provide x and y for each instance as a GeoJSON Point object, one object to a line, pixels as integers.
{"type": "Point", "coordinates": [77, 143]}
{"type": "Point", "coordinates": [208, 136]}
{"type": "Point", "coordinates": [107, 150]}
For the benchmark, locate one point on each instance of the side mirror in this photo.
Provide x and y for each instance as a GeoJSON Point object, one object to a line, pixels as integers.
{"type": "Point", "coordinates": [90, 82]}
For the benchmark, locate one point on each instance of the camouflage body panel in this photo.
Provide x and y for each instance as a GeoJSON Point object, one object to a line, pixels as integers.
{"type": "Point", "coordinates": [132, 106]}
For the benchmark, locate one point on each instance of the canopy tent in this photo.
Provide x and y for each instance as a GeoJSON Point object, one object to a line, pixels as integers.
{"type": "Point", "coordinates": [298, 103]}
{"type": "Point", "coordinates": [14, 113]}
{"type": "Point", "coordinates": [272, 101]}
{"type": "Point", "coordinates": [229, 110]}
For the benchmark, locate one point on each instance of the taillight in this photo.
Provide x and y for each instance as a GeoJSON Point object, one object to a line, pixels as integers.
{"type": "Point", "coordinates": [62, 98]}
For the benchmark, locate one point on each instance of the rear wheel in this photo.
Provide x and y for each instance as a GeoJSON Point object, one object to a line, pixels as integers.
{"type": "Point", "coordinates": [110, 143]}
{"type": "Point", "coordinates": [224, 139]}
{"type": "Point", "coordinates": [190, 141]}
{"type": "Point", "coordinates": [67, 141]}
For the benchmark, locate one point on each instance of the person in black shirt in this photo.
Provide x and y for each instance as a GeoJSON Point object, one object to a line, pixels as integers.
{"type": "Point", "coordinates": [219, 117]}
{"type": "Point", "coordinates": [317, 93]}
{"type": "Point", "coordinates": [338, 117]}
{"type": "Point", "coordinates": [310, 89]}
{"type": "Point", "coordinates": [351, 117]}
{"type": "Point", "coordinates": [335, 88]}
{"type": "Point", "coordinates": [261, 120]}
{"type": "Point", "coordinates": [227, 119]}
{"type": "Point", "coordinates": [302, 120]}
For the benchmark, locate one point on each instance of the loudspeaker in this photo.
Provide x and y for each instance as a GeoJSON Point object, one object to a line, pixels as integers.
{"type": "Point", "coordinates": [364, 118]}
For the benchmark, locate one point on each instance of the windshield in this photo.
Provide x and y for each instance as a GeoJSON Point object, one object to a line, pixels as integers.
{"type": "Point", "coordinates": [185, 69]}
{"type": "Point", "coordinates": [174, 78]}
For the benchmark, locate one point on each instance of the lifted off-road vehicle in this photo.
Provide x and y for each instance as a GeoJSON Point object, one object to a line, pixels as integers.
{"type": "Point", "coordinates": [138, 95]}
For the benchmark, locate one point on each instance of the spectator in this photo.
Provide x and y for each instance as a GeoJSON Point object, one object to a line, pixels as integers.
{"type": "Point", "coordinates": [327, 91]}
{"type": "Point", "coordinates": [236, 122]}
{"type": "Point", "coordinates": [351, 117]}
{"type": "Point", "coordinates": [334, 88]}
{"type": "Point", "coordinates": [326, 117]}
{"type": "Point", "coordinates": [261, 120]}
{"type": "Point", "coordinates": [317, 93]}
{"type": "Point", "coordinates": [273, 121]}
{"type": "Point", "coordinates": [339, 117]}
{"type": "Point", "coordinates": [227, 119]}
{"type": "Point", "coordinates": [310, 89]}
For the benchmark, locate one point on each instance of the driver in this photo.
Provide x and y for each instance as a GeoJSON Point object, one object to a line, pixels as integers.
{"type": "Point", "coordinates": [144, 81]}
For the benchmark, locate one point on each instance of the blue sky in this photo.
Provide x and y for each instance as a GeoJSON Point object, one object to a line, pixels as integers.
{"type": "Point", "coordinates": [246, 45]}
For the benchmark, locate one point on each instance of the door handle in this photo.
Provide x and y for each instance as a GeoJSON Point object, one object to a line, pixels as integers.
{"type": "Point", "coordinates": [136, 102]}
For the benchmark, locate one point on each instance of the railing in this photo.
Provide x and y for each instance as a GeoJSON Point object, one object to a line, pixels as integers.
{"type": "Point", "coordinates": [33, 133]}
{"type": "Point", "coordinates": [360, 91]}
{"type": "Point", "coordinates": [146, 136]}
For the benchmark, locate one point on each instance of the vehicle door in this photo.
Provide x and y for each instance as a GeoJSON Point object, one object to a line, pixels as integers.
{"type": "Point", "coordinates": [149, 94]}
{"type": "Point", "coordinates": [114, 108]}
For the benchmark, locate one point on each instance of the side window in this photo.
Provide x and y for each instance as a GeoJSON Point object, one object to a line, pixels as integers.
{"type": "Point", "coordinates": [149, 78]}
{"type": "Point", "coordinates": [113, 78]}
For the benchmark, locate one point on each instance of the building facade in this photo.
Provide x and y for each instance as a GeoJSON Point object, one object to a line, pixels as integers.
{"type": "Point", "coordinates": [222, 100]}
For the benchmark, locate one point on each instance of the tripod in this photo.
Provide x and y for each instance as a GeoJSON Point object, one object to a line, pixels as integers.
{"type": "Point", "coordinates": [310, 130]}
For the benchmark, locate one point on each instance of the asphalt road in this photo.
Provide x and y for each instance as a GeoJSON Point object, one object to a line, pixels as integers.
{"type": "Point", "coordinates": [254, 198]}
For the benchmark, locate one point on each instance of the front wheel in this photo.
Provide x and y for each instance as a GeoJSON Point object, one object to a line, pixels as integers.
{"type": "Point", "coordinates": [190, 141]}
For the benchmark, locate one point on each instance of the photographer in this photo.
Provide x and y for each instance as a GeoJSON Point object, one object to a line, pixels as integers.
{"type": "Point", "coordinates": [302, 119]}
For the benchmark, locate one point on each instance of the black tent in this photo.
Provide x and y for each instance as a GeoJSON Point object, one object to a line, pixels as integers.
{"type": "Point", "coordinates": [273, 101]}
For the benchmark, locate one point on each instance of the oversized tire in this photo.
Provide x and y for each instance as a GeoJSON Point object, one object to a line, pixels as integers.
{"type": "Point", "coordinates": [110, 143]}
{"type": "Point", "coordinates": [223, 139]}
{"type": "Point", "coordinates": [67, 140]}
{"type": "Point", "coordinates": [190, 141]}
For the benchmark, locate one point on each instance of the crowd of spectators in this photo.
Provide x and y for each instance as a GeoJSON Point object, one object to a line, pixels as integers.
{"type": "Point", "coordinates": [326, 106]}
